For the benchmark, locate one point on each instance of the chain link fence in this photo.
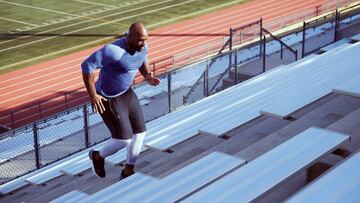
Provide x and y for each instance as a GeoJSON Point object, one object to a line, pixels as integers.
{"type": "Point", "coordinates": [53, 138]}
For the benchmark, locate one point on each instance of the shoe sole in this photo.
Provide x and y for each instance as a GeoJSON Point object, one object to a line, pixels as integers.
{"type": "Point", "coordinates": [92, 164]}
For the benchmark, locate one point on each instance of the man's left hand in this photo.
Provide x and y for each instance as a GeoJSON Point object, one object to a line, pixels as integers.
{"type": "Point", "coordinates": [151, 80]}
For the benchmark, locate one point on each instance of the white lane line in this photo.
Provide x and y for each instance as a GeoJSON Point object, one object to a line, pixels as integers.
{"type": "Point", "coordinates": [38, 71]}
{"type": "Point", "coordinates": [33, 7]}
{"type": "Point", "coordinates": [16, 21]}
{"type": "Point", "coordinates": [195, 13]}
{"type": "Point", "coordinates": [44, 81]}
{"type": "Point", "coordinates": [69, 88]}
{"type": "Point", "coordinates": [177, 29]}
{"type": "Point", "coordinates": [100, 40]}
{"type": "Point", "coordinates": [98, 4]}
{"type": "Point", "coordinates": [97, 25]}
{"type": "Point", "coordinates": [44, 88]}
{"type": "Point", "coordinates": [92, 19]}
{"type": "Point", "coordinates": [180, 41]}
{"type": "Point", "coordinates": [43, 111]}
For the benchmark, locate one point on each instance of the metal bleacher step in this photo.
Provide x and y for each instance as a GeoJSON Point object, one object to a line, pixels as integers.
{"type": "Point", "coordinates": [349, 124]}
{"type": "Point", "coordinates": [121, 189]}
{"type": "Point", "coordinates": [254, 179]}
{"type": "Point", "coordinates": [84, 163]}
{"type": "Point", "coordinates": [340, 184]}
{"type": "Point", "coordinates": [182, 153]}
{"type": "Point", "coordinates": [355, 38]}
{"type": "Point", "coordinates": [351, 87]}
{"type": "Point", "coordinates": [183, 181]}
{"type": "Point", "coordinates": [295, 95]}
{"type": "Point", "coordinates": [326, 112]}
{"type": "Point", "coordinates": [241, 140]}
{"type": "Point", "coordinates": [334, 45]}
{"type": "Point", "coordinates": [279, 92]}
{"type": "Point", "coordinates": [55, 170]}
{"type": "Point", "coordinates": [70, 197]}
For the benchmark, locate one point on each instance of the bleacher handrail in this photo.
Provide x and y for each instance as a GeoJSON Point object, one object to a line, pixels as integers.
{"type": "Point", "coordinates": [10, 115]}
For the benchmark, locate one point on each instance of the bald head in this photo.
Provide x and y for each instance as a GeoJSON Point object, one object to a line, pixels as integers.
{"type": "Point", "coordinates": [137, 29]}
{"type": "Point", "coordinates": [137, 36]}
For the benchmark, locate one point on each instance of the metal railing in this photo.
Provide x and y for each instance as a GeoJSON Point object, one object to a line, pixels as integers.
{"type": "Point", "coordinates": [58, 136]}
{"type": "Point", "coordinates": [282, 44]}
{"type": "Point", "coordinates": [330, 21]}
{"type": "Point", "coordinates": [15, 118]}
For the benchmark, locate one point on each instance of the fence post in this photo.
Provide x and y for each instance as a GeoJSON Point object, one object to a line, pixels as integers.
{"type": "Point", "coordinates": [169, 92]}
{"type": "Point", "coordinates": [303, 40]}
{"type": "Point", "coordinates": [236, 66]}
{"type": "Point", "coordinates": [39, 108]}
{"type": "Point", "coordinates": [230, 48]}
{"type": "Point", "coordinates": [317, 10]}
{"type": "Point", "coordinates": [86, 126]}
{"type": "Point", "coordinates": [206, 79]}
{"type": "Point", "coordinates": [337, 24]}
{"type": "Point", "coordinates": [264, 53]}
{"type": "Point", "coordinates": [231, 39]}
{"type": "Point", "coordinates": [36, 145]}
{"type": "Point", "coordinates": [261, 33]}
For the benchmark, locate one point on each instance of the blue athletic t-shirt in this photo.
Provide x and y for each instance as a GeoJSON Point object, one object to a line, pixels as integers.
{"type": "Point", "coordinates": [117, 67]}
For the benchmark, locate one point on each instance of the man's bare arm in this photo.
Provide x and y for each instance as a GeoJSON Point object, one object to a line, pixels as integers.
{"type": "Point", "coordinates": [148, 75]}
{"type": "Point", "coordinates": [96, 100]}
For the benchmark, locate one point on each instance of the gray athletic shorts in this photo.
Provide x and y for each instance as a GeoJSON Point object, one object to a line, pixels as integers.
{"type": "Point", "coordinates": [123, 115]}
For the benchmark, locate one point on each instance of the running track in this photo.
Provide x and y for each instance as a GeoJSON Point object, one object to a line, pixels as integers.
{"type": "Point", "coordinates": [21, 91]}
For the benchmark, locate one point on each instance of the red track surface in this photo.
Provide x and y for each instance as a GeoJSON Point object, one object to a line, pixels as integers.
{"type": "Point", "coordinates": [21, 91]}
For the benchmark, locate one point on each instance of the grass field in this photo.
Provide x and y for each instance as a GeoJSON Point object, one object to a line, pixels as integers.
{"type": "Point", "coordinates": [36, 30]}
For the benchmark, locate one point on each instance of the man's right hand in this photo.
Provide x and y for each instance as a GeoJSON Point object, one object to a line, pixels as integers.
{"type": "Point", "coordinates": [96, 100]}
{"type": "Point", "coordinates": [97, 103]}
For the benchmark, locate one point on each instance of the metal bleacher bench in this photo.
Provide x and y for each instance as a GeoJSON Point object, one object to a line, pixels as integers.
{"type": "Point", "coordinates": [236, 106]}
{"type": "Point", "coordinates": [173, 186]}
{"type": "Point", "coordinates": [70, 197]}
{"type": "Point", "coordinates": [276, 93]}
{"type": "Point", "coordinates": [120, 189]}
{"type": "Point", "coordinates": [46, 173]}
{"type": "Point", "coordinates": [341, 184]}
{"type": "Point", "coordinates": [312, 81]}
{"type": "Point", "coordinates": [334, 45]}
{"type": "Point", "coordinates": [351, 87]}
{"type": "Point", "coordinates": [254, 179]}
{"type": "Point", "coordinates": [355, 38]}
{"type": "Point", "coordinates": [240, 103]}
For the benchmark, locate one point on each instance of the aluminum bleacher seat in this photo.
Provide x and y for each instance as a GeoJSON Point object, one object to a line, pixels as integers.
{"type": "Point", "coordinates": [335, 44]}
{"type": "Point", "coordinates": [173, 186]}
{"type": "Point", "coordinates": [340, 184]}
{"type": "Point", "coordinates": [187, 122]}
{"type": "Point", "coordinates": [312, 81]}
{"type": "Point", "coordinates": [70, 197]}
{"type": "Point", "coordinates": [42, 175]}
{"type": "Point", "coordinates": [351, 87]}
{"type": "Point", "coordinates": [39, 176]}
{"type": "Point", "coordinates": [276, 93]}
{"type": "Point", "coordinates": [254, 179]}
{"type": "Point", "coordinates": [355, 38]}
{"type": "Point", "coordinates": [121, 189]}
{"type": "Point", "coordinates": [55, 170]}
